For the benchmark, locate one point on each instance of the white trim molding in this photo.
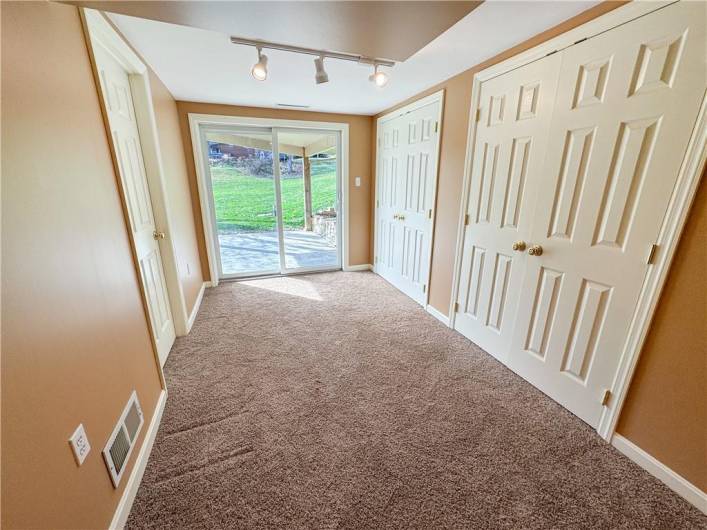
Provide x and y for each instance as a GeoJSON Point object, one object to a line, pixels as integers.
{"type": "Point", "coordinates": [620, 15]}
{"type": "Point", "coordinates": [355, 268]}
{"type": "Point", "coordinates": [444, 319]}
{"type": "Point", "coordinates": [610, 20]}
{"type": "Point", "coordinates": [417, 104]}
{"type": "Point", "coordinates": [668, 238]}
{"type": "Point", "coordinates": [99, 32]}
{"type": "Point", "coordinates": [197, 305]}
{"type": "Point", "coordinates": [196, 121]}
{"type": "Point", "coordinates": [126, 500]}
{"type": "Point", "coordinates": [673, 222]}
{"type": "Point", "coordinates": [667, 476]}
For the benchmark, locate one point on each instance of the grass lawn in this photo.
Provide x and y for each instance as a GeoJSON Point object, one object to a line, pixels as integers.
{"type": "Point", "coordinates": [244, 202]}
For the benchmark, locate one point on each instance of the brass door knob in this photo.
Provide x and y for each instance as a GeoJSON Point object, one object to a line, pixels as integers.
{"type": "Point", "coordinates": [401, 217]}
{"type": "Point", "coordinates": [158, 235]}
{"type": "Point", "coordinates": [519, 246]}
{"type": "Point", "coordinates": [535, 250]}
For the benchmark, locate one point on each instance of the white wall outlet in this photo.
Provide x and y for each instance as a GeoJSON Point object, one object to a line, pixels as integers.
{"type": "Point", "coordinates": [79, 444]}
{"type": "Point", "coordinates": [357, 182]}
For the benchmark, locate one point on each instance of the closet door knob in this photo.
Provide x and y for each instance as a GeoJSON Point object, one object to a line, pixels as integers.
{"type": "Point", "coordinates": [519, 246]}
{"type": "Point", "coordinates": [535, 250]}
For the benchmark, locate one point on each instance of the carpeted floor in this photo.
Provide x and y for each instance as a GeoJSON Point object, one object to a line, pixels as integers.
{"type": "Point", "coordinates": [334, 401]}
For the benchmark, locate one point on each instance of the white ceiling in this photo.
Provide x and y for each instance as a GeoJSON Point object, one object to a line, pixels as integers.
{"type": "Point", "coordinates": [201, 65]}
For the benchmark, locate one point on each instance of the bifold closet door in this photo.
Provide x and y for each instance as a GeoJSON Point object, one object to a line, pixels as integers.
{"type": "Point", "coordinates": [511, 139]}
{"type": "Point", "coordinates": [625, 108]}
{"type": "Point", "coordinates": [404, 196]}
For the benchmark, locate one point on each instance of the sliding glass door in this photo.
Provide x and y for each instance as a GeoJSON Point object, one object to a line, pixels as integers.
{"type": "Point", "coordinates": [275, 196]}
{"type": "Point", "coordinates": [309, 191]}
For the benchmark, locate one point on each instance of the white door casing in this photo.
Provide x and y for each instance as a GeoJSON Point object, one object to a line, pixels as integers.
{"type": "Point", "coordinates": [408, 152]}
{"type": "Point", "coordinates": [626, 105]}
{"type": "Point", "coordinates": [510, 146]}
{"type": "Point", "coordinates": [624, 113]}
{"type": "Point", "coordinates": [115, 87]}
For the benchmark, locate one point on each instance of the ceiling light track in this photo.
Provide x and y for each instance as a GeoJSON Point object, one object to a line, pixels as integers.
{"type": "Point", "coordinates": [259, 70]}
{"type": "Point", "coordinates": [311, 51]}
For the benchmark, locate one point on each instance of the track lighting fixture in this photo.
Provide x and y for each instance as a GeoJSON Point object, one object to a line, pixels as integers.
{"type": "Point", "coordinates": [379, 78]}
{"type": "Point", "coordinates": [321, 76]}
{"type": "Point", "coordinates": [260, 69]}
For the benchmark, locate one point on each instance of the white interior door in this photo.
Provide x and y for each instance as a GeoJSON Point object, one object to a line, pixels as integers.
{"type": "Point", "coordinates": [509, 150]}
{"type": "Point", "coordinates": [626, 105]}
{"type": "Point", "coordinates": [407, 171]}
{"type": "Point", "coordinates": [115, 87]}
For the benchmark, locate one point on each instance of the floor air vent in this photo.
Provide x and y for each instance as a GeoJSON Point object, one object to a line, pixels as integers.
{"type": "Point", "coordinates": [122, 440]}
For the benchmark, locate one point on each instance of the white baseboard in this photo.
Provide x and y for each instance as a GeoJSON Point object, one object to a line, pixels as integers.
{"type": "Point", "coordinates": [355, 268]}
{"type": "Point", "coordinates": [444, 319]}
{"type": "Point", "coordinates": [667, 476]}
{"type": "Point", "coordinates": [126, 501]}
{"type": "Point", "coordinates": [197, 305]}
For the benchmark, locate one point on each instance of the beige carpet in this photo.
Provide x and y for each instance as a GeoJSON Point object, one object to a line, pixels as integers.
{"type": "Point", "coordinates": [334, 401]}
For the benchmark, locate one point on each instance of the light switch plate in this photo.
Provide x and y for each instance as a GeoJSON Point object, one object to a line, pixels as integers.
{"type": "Point", "coordinates": [357, 182]}
{"type": "Point", "coordinates": [79, 444]}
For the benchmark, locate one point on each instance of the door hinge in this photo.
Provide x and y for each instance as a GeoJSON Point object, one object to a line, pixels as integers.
{"type": "Point", "coordinates": [424, 288]}
{"type": "Point", "coordinates": [436, 126]}
{"type": "Point", "coordinates": [466, 219]}
{"type": "Point", "coordinates": [478, 114]}
{"type": "Point", "coordinates": [456, 307]}
{"type": "Point", "coordinates": [378, 203]}
{"type": "Point", "coordinates": [605, 397]}
{"type": "Point", "coordinates": [651, 255]}
{"type": "Point", "coordinates": [429, 214]}
{"type": "Point", "coordinates": [580, 40]}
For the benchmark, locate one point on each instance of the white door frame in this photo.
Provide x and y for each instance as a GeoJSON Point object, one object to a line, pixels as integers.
{"type": "Point", "coordinates": [417, 104]}
{"type": "Point", "coordinates": [196, 121]}
{"type": "Point", "coordinates": [673, 223]}
{"type": "Point", "coordinates": [100, 32]}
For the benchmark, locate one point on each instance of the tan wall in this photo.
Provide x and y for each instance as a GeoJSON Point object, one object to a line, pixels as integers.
{"type": "Point", "coordinates": [666, 409]}
{"type": "Point", "coordinates": [183, 233]}
{"type": "Point", "coordinates": [359, 166]}
{"type": "Point", "coordinates": [75, 337]}
{"type": "Point", "coordinates": [665, 413]}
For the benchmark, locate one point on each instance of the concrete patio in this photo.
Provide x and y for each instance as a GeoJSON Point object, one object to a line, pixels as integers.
{"type": "Point", "coordinates": [255, 252]}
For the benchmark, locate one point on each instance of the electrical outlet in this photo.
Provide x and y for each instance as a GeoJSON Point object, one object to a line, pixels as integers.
{"type": "Point", "coordinates": [357, 182]}
{"type": "Point", "coordinates": [79, 444]}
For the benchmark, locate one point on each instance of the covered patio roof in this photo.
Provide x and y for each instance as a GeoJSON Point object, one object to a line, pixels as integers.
{"type": "Point", "coordinates": [293, 143]}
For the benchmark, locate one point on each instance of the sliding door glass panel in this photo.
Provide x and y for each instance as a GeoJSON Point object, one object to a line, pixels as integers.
{"type": "Point", "coordinates": [309, 179]}
{"type": "Point", "coordinates": [243, 188]}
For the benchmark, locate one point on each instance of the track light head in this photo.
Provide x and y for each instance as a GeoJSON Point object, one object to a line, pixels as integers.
{"type": "Point", "coordinates": [321, 76]}
{"type": "Point", "coordinates": [260, 69]}
{"type": "Point", "coordinates": [380, 79]}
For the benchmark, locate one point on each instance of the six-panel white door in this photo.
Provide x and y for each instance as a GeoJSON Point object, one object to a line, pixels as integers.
{"type": "Point", "coordinates": [511, 139]}
{"type": "Point", "coordinates": [115, 86]}
{"type": "Point", "coordinates": [408, 151]}
{"type": "Point", "coordinates": [626, 105]}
